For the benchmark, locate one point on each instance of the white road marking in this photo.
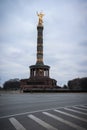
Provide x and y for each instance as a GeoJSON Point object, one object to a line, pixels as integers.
{"type": "Point", "coordinates": [16, 124]}
{"type": "Point", "coordinates": [69, 109]}
{"type": "Point", "coordinates": [80, 108]}
{"type": "Point", "coordinates": [42, 123]}
{"type": "Point", "coordinates": [24, 113]}
{"type": "Point", "coordinates": [83, 106]}
{"type": "Point", "coordinates": [64, 121]}
{"type": "Point", "coordinates": [67, 114]}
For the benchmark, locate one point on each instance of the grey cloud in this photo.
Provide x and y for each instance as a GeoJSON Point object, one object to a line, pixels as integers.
{"type": "Point", "coordinates": [65, 37]}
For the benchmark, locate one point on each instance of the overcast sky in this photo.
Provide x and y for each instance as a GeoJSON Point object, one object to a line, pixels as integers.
{"type": "Point", "coordinates": [65, 38]}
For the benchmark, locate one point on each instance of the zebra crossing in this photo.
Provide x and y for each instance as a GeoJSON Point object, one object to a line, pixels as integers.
{"type": "Point", "coordinates": [64, 118]}
{"type": "Point", "coordinates": [16, 124]}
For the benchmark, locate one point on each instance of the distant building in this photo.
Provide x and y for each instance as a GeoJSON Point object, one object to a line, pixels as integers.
{"type": "Point", "coordinates": [78, 84]}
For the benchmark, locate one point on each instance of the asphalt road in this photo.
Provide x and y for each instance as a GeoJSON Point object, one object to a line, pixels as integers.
{"type": "Point", "coordinates": [43, 111]}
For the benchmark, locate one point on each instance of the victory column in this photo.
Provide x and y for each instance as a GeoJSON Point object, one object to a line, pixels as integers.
{"type": "Point", "coordinates": [39, 73]}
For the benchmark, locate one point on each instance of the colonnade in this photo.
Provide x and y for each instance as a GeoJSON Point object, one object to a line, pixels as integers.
{"type": "Point", "coordinates": [39, 72]}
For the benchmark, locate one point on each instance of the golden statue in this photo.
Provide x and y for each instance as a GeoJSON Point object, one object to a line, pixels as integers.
{"type": "Point", "coordinates": [40, 15]}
